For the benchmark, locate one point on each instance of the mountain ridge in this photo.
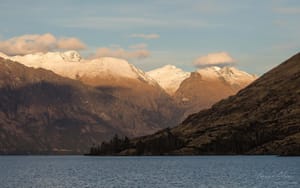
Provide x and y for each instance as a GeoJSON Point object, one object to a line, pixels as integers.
{"type": "Point", "coordinates": [70, 64]}
{"type": "Point", "coordinates": [190, 91]}
{"type": "Point", "coordinates": [42, 112]}
{"type": "Point", "coordinates": [262, 118]}
{"type": "Point", "coordinates": [136, 104]}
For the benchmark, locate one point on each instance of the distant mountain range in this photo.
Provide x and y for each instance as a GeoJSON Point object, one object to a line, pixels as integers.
{"type": "Point", "coordinates": [263, 118]}
{"type": "Point", "coordinates": [200, 89]}
{"type": "Point", "coordinates": [59, 102]}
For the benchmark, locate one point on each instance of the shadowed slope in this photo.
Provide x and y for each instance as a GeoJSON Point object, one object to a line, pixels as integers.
{"type": "Point", "coordinates": [41, 112]}
{"type": "Point", "coordinates": [263, 118]}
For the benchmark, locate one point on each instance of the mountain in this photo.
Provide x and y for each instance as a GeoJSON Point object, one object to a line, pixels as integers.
{"type": "Point", "coordinates": [124, 80]}
{"type": "Point", "coordinates": [202, 88]}
{"type": "Point", "coordinates": [167, 90]}
{"type": "Point", "coordinates": [263, 118]}
{"type": "Point", "coordinates": [42, 112]}
{"type": "Point", "coordinates": [101, 71]}
{"type": "Point", "coordinates": [61, 92]}
{"type": "Point", "coordinates": [209, 85]}
{"type": "Point", "coordinates": [169, 77]}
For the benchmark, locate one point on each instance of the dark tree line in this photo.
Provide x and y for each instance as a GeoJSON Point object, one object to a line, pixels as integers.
{"type": "Point", "coordinates": [113, 147]}
{"type": "Point", "coordinates": [163, 143]}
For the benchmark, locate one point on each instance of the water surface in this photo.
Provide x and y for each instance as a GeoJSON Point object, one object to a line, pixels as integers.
{"type": "Point", "coordinates": [204, 171]}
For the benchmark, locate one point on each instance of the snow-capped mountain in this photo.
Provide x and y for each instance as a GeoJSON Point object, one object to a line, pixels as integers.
{"type": "Point", "coordinates": [118, 71]}
{"type": "Point", "coordinates": [43, 112]}
{"type": "Point", "coordinates": [202, 88]}
{"type": "Point", "coordinates": [209, 85]}
{"type": "Point", "coordinates": [191, 91]}
{"type": "Point", "coordinates": [169, 77]}
{"type": "Point", "coordinates": [122, 80]}
{"type": "Point", "coordinates": [71, 64]}
{"type": "Point", "coordinates": [119, 96]}
{"type": "Point", "coordinates": [230, 75]}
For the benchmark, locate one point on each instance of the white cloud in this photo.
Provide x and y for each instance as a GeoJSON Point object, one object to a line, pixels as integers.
{"type": "Point", "coordinates": [214, 59]}
{"type": "Point", "coordinates": [134, 53]}
{"type": "Point", "coordinates": [27, 44]}
{"type": "Point", "coordinates": [70, 43]}
{"type": "Point", "coordinates": [145, 36]}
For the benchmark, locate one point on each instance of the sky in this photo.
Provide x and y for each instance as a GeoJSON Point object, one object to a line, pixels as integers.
{"type": "Point", "coordinates": [254, 35]}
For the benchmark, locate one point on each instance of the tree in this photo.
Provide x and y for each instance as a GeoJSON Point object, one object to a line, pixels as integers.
{"type": "Point", "coordinates": [140, 147]}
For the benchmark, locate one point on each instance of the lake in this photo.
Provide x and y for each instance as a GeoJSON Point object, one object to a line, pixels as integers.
{"type": "Point", "coordinates": [196, 171]}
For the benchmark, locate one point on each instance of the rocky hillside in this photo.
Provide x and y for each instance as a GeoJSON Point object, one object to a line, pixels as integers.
{"type": "Point", "coordinates": [263, 118]}
{"type": "Point", "coordinates": [116, 76]}
{"type": "Point", "coordinates": [42, 112]}
{"type": "Point", "coordinates": [209, 85]}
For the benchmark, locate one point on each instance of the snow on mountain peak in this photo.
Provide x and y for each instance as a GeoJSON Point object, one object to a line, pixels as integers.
{"type": "Point", "coordinates": [3, 55]}
{"type": "Point", "coordinates": [117, 67]}
{"type": "Point", "coordinates": [71, 56]}
{"type": "Point", "coordinates": [169, 77]}
{"type": "Point", "coordinates": [231, 75]}
{"type": "Point", "coordinates": [38, 59]}
{"type": "Point", "coordinates": [62, 63]}
{"type": "Point", "coordinates": [209, 72]}
{"type": "Point", "coordinates": [170, 67]}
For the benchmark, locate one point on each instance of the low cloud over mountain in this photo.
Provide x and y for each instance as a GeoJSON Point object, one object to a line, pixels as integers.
{"type": "Point", "coordinates": [214, 59]}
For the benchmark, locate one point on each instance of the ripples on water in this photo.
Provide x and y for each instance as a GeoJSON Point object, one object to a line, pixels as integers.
{"type": "Point", "coordinates": [211, 171]}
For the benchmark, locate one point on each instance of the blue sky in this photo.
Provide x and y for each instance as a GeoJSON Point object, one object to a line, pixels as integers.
{"type": "Point", "coordinates": [257, 34]}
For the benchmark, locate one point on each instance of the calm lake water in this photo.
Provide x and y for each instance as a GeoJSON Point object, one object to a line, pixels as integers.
{"type": "Point", "coordinates": [205, 171]}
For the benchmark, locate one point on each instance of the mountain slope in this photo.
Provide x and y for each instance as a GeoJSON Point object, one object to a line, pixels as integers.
{"type": "Point", "coordinates": [122, 79]}
{"type": "Point", "coordinates": [167, 90]}
{"type": "Point", "coordinates": [209, 85]}
{"type": "Point", "coordinates": [41, 112]}
{"type": "Point", "coordinates": [263, 118]}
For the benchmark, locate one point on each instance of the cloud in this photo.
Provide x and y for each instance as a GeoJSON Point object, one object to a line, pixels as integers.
{"type": "Point", "coordinates": [70, 43]}
{"type": "Point", "coordinates": [134, 53]}
{"type": "Point", "coordinates": [214, 59]}
{"type": "Point", "coordinates": [139, 46]}
{"type": "Point", "coordinates": [145, 36]}
{"type": "Point", "coordinates": [27, 44]}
